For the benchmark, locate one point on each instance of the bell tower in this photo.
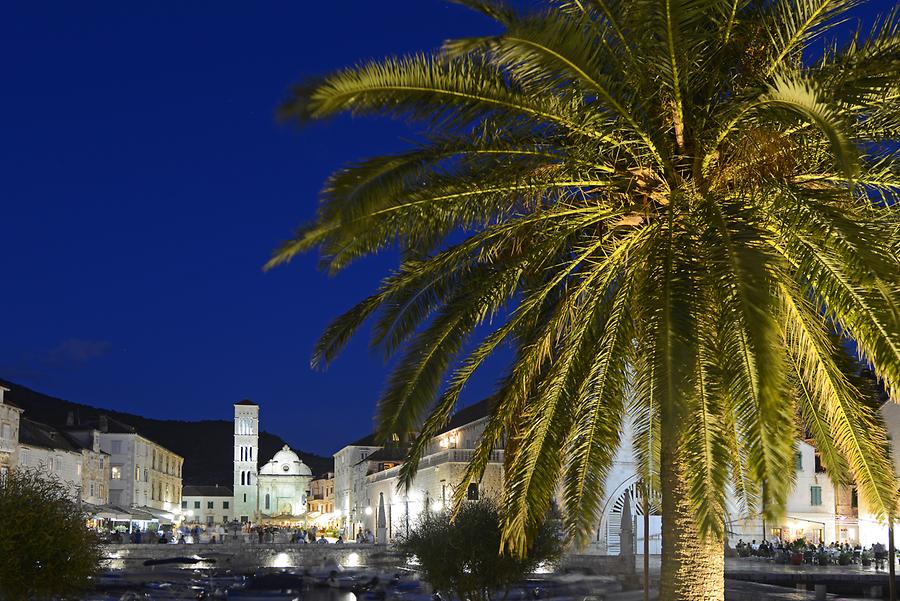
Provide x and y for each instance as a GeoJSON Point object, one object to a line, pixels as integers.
{"type": "Point", "coordinates": [246, 447]}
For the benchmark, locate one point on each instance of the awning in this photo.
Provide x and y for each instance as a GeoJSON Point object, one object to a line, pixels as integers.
{"type": "Point", "coordinates": [139, 515]}
{"type": "Point", "coordinates": [111, 512]}
{"type": "Point", "coordinates": [163, 517]}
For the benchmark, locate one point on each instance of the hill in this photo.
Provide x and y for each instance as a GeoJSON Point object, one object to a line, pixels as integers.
{"type": "Point", "coordinates": [205, 445]}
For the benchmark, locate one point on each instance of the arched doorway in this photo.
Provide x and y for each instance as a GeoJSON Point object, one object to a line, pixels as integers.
{"type": "Point", "coordinates": [610, 528]}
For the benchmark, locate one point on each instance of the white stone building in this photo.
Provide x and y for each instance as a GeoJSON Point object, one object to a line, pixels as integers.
{"type": "Point", "coordinates": [207, 504]}
{"type": "Point", "coordinates": [376, 504]}
{"type": "Point", "coordinates": [9, 434]}
{"type": "Point", "coordinates": [366, 478]}
{"type": "Point", "coordinates": [351, 496]}
{"type": "Point", "coordinates": [142, 473]}
{"type": "Point", "coordinates": [246, 451]}
{"type": "Point", "coordinates": [95, 468]}
{"type": "Point", "coordinates": [276, 492]}
{"type": "Point", "coordinates": [48, 451]}
{"type": "Point", "coordinates": [283, 486]}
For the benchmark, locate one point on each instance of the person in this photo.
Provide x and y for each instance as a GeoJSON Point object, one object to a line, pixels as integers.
{"type": "Point", "coordinates": [322, 541]}
{"type": "Point", "coordinates": [370, 538]}
{"type": "Point", "coordinates": [259, 534]}
{"type": "Point", "coordinates": [340, 540]}
{"type": "Point", "coordinates": [880, 555]}
{"type": "Point", "coordinates": [359, 538]}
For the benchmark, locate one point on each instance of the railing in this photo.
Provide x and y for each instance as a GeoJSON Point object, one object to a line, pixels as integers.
{"type": "Point", "coordinates": [435, 459]}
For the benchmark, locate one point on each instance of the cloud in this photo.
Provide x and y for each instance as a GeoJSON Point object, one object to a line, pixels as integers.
{"type": "Point", "coordinates": [75, 352]}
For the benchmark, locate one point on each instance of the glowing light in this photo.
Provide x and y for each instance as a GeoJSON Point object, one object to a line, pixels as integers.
{"type": "Point", "coordinates": [437, 506]}
{"type": "Point", "coordinates": [444, 443]}
{"type": "Point", "coordinates": [337, 513]}
{"type": "Point", "coordinates": [543, 568]}
{"type": "Point", "coordinates": [368, 511]}
{"type": "Point", "coordinates": [353, 560]}
{"type": "Point", "coordinates": [281, 560]}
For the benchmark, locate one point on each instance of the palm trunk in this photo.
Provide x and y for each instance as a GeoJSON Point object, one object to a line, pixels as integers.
{"type": "Point", "coordinates": [693, 567]}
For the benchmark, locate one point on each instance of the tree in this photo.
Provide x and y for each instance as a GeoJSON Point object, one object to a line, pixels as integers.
{"type": "Point", "coordinates": [669, 216]}
{"type": "Point", "coordinates": [46, 548]}
{"type": "Point", "coordinates": [459, 554]}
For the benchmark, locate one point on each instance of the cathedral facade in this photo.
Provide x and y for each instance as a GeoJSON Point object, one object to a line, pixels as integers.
{"type": "Point", "coordinates": [280, 489]}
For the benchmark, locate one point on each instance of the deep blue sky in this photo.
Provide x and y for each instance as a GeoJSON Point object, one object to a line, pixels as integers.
{"type": "Point", "coordinates": [144, 182]}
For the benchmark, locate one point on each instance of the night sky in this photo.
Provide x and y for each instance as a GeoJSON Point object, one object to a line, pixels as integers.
{"type": "Point", "coordinates": [144, 181]}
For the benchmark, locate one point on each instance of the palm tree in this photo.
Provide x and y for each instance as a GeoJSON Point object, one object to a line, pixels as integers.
{"type": "Point", "coordinates": [669, 216]}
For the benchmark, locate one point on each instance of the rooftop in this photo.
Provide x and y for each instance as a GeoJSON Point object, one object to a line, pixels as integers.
{"type": "Point", "coordinates": [206, 491]}
{"type": "Point", "coordinates": [36, 434]}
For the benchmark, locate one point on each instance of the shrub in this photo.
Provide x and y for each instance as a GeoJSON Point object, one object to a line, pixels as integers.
{"type": "Point", "coordinates": [46, 548]}
{"type": "Point", "coordinates": [463, 556]}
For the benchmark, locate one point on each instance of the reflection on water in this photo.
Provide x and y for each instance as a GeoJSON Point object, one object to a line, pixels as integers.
{"type": "Point", "coordinates": [328, 594]}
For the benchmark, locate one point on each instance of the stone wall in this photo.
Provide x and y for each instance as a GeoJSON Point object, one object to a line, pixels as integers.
{"type": "Point", "coordinates": [247, 558]}
{"type": "Point", "coordinates": [615, 565]}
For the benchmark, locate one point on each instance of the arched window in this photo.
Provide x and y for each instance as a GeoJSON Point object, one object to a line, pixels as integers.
{"type": "Point", "coordinates": [472, 491]}
{"type": "Point", "coordinates": [251, 453]}
{"type": "Point", "coordinates": [267, 500]}
{"type": "Point", "coordinates": [248, 478]}
{"type": "Point", "coordinates": [242, 478]}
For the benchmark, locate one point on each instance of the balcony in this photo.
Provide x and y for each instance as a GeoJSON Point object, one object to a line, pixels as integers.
{"type": "Point", "coordinates": [7, 445]}
{"type": "Point", "coordinates": [436, 459]}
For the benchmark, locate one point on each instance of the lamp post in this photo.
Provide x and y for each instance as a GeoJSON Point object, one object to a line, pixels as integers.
{"type": "Point", "coordinates": [892, 585]}
{"type": "Point", "coordinates": [645, 493]}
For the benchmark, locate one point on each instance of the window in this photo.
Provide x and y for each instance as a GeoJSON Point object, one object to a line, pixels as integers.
{"type": "Point", "coordinates": [267, 501]}
{"type": "Point", "coordinates": [854, 498]}
{"type": "Point", "coordinates": [116, 447]}
{"type": "Point", "coordinates": [224, 519]}
{"type": "Point", "coordinates": [196, 504]}
{"type": "Point", "coordinates": [209, 504]}
{"type": "Point", "coordinates": [820, 469]}
{"type": "Point", "coordinates": [115, 472]}
{"type": "Point", "coordinates": [92, 489]}
{"type": "Point", "coordinates": [243, 479]}
{"type": "Point", "coordinates": [472, 492]}
{"type": "Point", "coordinates": [78, 469]}
{"type": "Point", "coordinates": [137, 473]}
{"type": "Point", "coordinates": [209, 520]}
{"type": "Point", "coordinates": [225, 504]}
{"type": "Point", "coordinates": [243, 517]}
{"type": "Point", "coordinates": [146, 475]}
{"type": "Point", "coordinates": [815, 496]}
{"type": "Point", "coordinates": [245, 497]}
{"type": "Point", "coordinates": [7, 431]}
{"type": "Point", "coordinates": [798, 461]}
{"type": "Point", "coordinates": [184, 504]}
